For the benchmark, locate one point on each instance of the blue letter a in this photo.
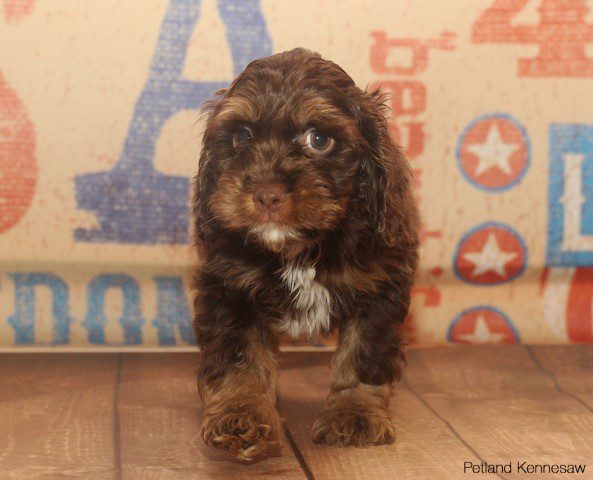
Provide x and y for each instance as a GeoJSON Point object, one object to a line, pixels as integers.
{"type": "Point", "coordinates": [133, 202]}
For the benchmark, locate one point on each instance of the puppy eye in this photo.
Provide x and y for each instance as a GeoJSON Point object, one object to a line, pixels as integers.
{"type": "Point", "coordinates": [242, 137]}
{"type": "Point", "coordinates": [318, 142]}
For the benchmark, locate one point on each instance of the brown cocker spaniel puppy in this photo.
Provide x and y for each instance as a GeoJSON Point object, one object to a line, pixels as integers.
{"type": "Point", "coordinates": [305, 221]}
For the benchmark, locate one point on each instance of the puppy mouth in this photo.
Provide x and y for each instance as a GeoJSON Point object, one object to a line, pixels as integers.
{"type": "Point", "coordinates": [273, 235]}
{"type": "Point", "coordinates": [269, 218]}
{"type": "Point", "coordinates": [275, 214]}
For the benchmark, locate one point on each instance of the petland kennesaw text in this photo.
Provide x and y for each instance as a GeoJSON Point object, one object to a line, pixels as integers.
{"type": "Point", "coordinates": [522, 467]}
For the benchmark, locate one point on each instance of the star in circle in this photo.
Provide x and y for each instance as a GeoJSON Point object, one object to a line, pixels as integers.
{"type": "Point", "coordinates": [490, 258]}
{"type": "Point", "coordinates": [491, 253]}
{"type": "Point", "coordinates": [481, 325]}
{"type": "Point", "coordinates": [493, 152]}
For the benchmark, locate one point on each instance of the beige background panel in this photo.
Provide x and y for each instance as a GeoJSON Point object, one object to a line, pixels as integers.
{"type": "Point", "coordinates": [78, 69]}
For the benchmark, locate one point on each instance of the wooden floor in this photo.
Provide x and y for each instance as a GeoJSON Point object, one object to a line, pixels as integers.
{"type": "Point", "coordinates": [136, 416]}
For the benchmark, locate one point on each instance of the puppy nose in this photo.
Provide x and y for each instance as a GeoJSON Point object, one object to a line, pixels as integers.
{"type": "Point", "coordinates": [268, 198]}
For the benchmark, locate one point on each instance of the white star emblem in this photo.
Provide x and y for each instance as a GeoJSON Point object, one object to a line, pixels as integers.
{"type": "Point", "coordinates": [482, 333]}
{"type": "Point", "coordinates": [490, 258]}
{"type": "Point", "coordinates": [493, 152]}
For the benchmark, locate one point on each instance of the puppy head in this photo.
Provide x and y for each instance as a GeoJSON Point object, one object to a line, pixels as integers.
{"type": "Point", "coordinates": [292, 150]}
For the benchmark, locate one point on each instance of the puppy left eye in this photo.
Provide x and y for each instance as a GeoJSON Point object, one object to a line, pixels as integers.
{"type": "Point", "coordinates": [241, 137]}
{"type": "Point", "coordinates": [318, 142]}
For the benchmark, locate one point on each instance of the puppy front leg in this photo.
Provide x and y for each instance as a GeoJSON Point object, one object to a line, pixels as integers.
{"type": "Point", "coordinates": [237, 379]}
{"type": "Point", "coordinates": [367, 360]}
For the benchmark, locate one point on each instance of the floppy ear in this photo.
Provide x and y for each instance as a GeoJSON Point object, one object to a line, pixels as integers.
{"type": "Point", "coordinates": [205, 180]}
{"type": "Point", "coordinates": [384, 175]}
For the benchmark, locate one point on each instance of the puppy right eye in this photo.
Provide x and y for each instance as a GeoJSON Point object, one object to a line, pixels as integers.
{"type": "Point", "coordinates": [241, 137]}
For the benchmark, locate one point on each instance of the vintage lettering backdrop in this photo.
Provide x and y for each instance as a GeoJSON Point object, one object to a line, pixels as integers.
{"type": "Point", "coordinates": [492, 100]}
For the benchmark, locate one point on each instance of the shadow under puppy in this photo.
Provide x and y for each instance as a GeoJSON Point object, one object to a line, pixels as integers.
{"type": "Point", "coordinates": [305, 221]}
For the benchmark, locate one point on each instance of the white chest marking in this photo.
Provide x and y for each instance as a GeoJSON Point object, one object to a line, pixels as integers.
{"type": "Point", "coordinates": [310, 300]}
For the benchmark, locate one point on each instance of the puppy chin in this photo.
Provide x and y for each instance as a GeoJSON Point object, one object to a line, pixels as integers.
{"type": "Point", "coordinates": [273, 236]}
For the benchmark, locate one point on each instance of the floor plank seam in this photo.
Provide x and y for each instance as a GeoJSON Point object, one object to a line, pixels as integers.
{"type": "Point", "coordinates": [117, 420]}
{"type": "Point", "coordinates": [297, 453]}
{"type": "Point", "coordinates": [552, 376]}
{"type": "Point", "coordinates": [446, 423]}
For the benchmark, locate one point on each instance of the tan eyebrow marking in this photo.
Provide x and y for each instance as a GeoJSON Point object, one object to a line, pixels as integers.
{"type": "Point", "coordinates": [237, 108]}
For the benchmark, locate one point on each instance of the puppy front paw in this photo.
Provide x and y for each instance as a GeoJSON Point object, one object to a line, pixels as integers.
{"type": "Point", "coordinates": [246, 431]}
{"type": "Point", "coordinates": [360, 427]}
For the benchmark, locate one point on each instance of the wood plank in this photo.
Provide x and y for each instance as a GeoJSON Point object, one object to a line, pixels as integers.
{"type": "Point", "coordinates": [425, 447]}
{"type": "Point", "coordinates": [160, 420]}
{"type": "Point", "coordinates": [570, 367]}
{"type": "Point", "coordinates": [504, 406]}
{"type": "Point", "coordinates": [56, 416]}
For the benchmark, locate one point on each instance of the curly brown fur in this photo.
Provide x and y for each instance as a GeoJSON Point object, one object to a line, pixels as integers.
{"type": "Point", "coordinates": [298, 239]}
{"type": "Point", "coordinates": [356, 411]}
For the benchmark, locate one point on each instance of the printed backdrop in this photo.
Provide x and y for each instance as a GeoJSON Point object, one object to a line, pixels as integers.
{"type": "Point", "coordinates": [99, 101]}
